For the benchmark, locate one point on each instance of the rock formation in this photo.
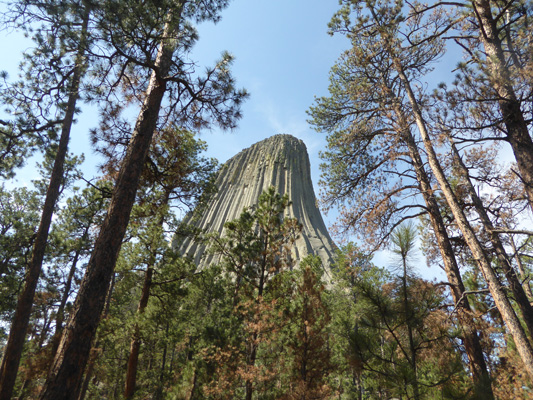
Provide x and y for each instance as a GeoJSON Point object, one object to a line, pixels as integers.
{"type": "Point", "coordinates": [280, 161]}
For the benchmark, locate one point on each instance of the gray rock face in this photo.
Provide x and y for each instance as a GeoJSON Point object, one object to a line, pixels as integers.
{"type": "Point", "coordinates": [280, 161]}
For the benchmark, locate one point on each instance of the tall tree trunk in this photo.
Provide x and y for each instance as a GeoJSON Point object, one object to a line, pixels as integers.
{"type": "Point", "coordinates": [470, 338]}
{"type": "Point", "coordinates": [135, 346]}
{"type": "Point", "coordinates": [504, 260]}
{"type": "Point", "coordinates": [60, 315]}
{"type": "Point", "coordinates": [160, 385]}
{"type": "Point", "coordinates": [19, 325]}
{"type": "Point", "coordinates": [500, 79]}
{"type": "Point", "coordinates": [498, 294]}
{"type": "Point", "coordinates": [73, 353]}
{"type": "Point", "coordinates": [252, 355]}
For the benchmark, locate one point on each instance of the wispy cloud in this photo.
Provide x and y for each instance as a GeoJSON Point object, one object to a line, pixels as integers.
{"type": "Point", "coordinates": [281, 120]}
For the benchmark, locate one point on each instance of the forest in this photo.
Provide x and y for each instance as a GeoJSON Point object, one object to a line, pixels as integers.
{"type": "Point", "coordinates": [95, 302]}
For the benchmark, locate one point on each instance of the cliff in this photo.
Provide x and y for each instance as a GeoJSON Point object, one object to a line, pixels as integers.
{"type": "Point", "coordinates": [280, 161]}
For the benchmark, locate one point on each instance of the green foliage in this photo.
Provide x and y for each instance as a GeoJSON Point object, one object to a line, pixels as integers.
{"type": "Point", "coordinates": [194, 100]}
{"type": "Point", "coordinates": [275, 341]}
{"type": "Point", "coordinates": [13, 150]}
{"type": "Point", "coordinates": [153, 283]}
{"type": "Point", "coordinates": [384, 348]}
{"type": "Point", "coordinates": [70, 243]}
{"type": "Point", "coordinates": [255, 254]}
{"type": "Point", "coordinates": [353, 266]}
{"type": "Point", "coordinates": [251, 324]}
{"type": "Point", "coordinates": [306, 342]}
{"type": "Point", "coordinates": [258, 244]}
{"type": "Point", "coordinates": [36, 104]}
{"type": "Point", "coordinates": [73, 233]}
{"type": "Point", "coordinates": [403, 240]}
{"type": "Point", "coordinates": [160, 327]}
{"type": "Point", "coordinates": [71, 171]}
{"type": "Point", "coordinates": [19, 217]}
{"type": "Point", "coordinates": [471, 100]}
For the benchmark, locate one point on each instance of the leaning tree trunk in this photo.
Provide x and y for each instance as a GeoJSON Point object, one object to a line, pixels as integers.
{"type": "Point", "coordinates": [517, 133]}
{"type": "Point", "coordinates": [73, 353]}
{"type": "Point", "coordinates": [498, 294]}
{"type": "Point", "coordinates": [473, 348]}
{"type": "Point", "coordinates": [95, 351]}
{"type": "Point", "coordinates": [504, 260]}
{"type": "Point", "coordinates": [19, 325]}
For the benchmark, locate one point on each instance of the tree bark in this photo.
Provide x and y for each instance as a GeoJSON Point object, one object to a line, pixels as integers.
{"type": "Point", "coordinates": [95, 350]}
{"type": "Point", "coordinates": [517, 131]}
{"type": "Point", "coordinates": [19, 325]}
{"type": "Point", "coordinates": [67, 370]}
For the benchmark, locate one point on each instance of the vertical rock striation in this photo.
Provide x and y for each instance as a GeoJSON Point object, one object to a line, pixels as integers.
{"type": "Point", "coordinates": [280, 161]}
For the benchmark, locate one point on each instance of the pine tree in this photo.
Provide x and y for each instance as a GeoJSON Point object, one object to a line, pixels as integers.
{"type": "Point", "coordinates": [213, 99]}
{"type": "Point", "coordinates": [403, 239]}
{"type": "Point", "coordinates": [19, 216]}
{"type": "Point", "coordinates": [377, 168]}
{"type": "Point", "coordinates": [72, 240]}
{"type": "Point", "coordinates": [401, 345]}
{"type": "Point", "coordinates": [489, 99]}
{"type": "Point", "coordinates": [255, 253]}
{"type": "Point", "coordinates": [308, 338]}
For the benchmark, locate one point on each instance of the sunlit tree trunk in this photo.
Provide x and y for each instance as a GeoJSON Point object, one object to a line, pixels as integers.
{"type": "Point", "coordinates": [504, 260]}
{"type": "Point", "coordinates": [474, 351]}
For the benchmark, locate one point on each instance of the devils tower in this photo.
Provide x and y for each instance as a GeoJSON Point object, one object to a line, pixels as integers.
{"type": "Point", "coordinates": [280, 161]}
